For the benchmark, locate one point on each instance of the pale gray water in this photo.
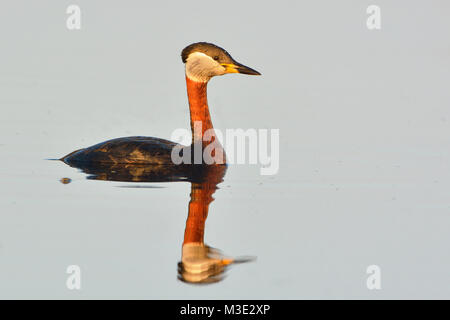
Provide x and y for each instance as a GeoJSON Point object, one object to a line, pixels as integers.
{"type": "Point", "coordinates": [364, 119]}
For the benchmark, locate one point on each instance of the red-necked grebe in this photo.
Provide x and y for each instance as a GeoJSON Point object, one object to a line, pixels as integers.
{"type": "Point", "coordinates": [202, 62]}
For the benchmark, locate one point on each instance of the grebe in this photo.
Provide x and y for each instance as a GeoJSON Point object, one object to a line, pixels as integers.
{"type": "Point", "coordinates": [202, 62]}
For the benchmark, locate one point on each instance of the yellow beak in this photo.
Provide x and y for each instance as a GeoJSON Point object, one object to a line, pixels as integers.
{"type": "Point", "coordinates": [239, 68]}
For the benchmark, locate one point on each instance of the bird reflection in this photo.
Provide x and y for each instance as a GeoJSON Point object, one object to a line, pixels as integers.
{"type": "Point", "coordinates": [199, 263]}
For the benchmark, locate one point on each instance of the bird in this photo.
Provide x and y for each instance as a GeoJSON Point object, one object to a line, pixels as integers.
{"type": "Point", "coordinates": [202, 61]}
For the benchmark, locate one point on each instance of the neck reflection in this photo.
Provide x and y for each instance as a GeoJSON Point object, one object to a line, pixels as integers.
{"type": "Point", "coordinates": [199, 263]}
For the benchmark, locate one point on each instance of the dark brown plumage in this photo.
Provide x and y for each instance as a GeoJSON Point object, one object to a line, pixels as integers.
{"type": "Point", "coordinates": [138, 150]}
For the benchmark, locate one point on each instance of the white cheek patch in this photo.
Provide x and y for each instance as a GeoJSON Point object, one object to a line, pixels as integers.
{"type": "Point", "coordinates": [201, 67]}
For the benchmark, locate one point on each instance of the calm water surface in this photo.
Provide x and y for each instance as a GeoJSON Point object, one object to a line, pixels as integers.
{"type": "Point", "coordinates": [364, 173]}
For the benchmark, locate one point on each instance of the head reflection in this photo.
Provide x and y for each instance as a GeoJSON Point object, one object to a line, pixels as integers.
{"type": "Point", "coordinates": [200, 263]}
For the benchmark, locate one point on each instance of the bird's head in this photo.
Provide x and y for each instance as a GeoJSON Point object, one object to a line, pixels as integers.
{"type": "Point", "coordinates": [205, 60]}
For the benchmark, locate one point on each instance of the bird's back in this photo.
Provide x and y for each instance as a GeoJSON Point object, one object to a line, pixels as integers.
{"type": "Point", "coordinates": [138, 150]}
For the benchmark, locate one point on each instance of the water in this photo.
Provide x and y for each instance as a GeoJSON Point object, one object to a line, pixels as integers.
{"type": "Point", "coordinates": [364, 150]}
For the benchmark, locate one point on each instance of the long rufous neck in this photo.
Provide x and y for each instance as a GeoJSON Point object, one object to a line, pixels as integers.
{"type": "Point", "coordinates": [198, 106]}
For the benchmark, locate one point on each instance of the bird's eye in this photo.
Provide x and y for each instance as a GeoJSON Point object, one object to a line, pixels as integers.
{"type": "Point", "coordinates": [216, 58]}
